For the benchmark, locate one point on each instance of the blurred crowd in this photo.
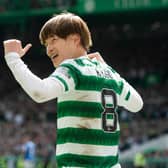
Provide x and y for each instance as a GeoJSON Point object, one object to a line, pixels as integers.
{"type": "Point", "coordinates": [6, 5]}
{"type": "Point", "coordinates": [13, 137]}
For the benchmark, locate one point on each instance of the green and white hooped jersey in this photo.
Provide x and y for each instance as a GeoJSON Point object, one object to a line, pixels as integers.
{"type": "Point", "coordinates": [87, 123]}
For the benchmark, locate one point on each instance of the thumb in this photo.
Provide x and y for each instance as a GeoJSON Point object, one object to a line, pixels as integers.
{"type": "Point", "coordinates": [25, 49]}
{"type": "Point", "coordinates": [97, 56]}
{"type": "Point", "coordinates": [93, 55]}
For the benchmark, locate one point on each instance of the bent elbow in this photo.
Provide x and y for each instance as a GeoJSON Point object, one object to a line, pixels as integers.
{"type": "Point", "coordinates": [138, 105]}
{"type": "Point", "coordinates": [37, 97]}
{"type": "Point", "coordinates": [38, 100]}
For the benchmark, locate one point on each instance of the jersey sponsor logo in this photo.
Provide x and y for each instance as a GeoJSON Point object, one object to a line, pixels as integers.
{"type": "Point", "coordinates": [105, 73]}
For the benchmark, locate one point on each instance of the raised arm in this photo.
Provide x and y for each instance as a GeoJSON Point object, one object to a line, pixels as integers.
{"type": "Point", "coordinates": [40, 90]}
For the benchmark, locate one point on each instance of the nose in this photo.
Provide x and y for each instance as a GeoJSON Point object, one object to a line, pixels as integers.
{"type": "Point", "coordinates": [49, 50]}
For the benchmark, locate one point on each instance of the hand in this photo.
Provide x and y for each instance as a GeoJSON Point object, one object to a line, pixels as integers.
{"type": "Point", "coordinates": [14, 45]}
{"type": "Point", "coordinates": [97, 56]}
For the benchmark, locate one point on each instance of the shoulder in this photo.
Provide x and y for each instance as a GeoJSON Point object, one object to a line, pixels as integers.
{"type": "Point", "coordinates": [76, 65]}
{"type": "Point", "coordinates": [82, 61]}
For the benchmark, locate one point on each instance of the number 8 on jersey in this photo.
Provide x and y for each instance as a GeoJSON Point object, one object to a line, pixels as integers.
{"type": "Point", "coordinates": [109, 103]}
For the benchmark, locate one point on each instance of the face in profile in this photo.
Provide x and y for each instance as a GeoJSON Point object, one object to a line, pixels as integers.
{"type": "Point", "coordinates": [58, 49]}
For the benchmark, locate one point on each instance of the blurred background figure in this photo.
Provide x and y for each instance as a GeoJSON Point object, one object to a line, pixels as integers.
{"type": "Point", "coordinates": [29, 149]}
{"type": "Point", "coordinates": [49, 157]}
{"type": "Point", "coordinates": [140, 160]}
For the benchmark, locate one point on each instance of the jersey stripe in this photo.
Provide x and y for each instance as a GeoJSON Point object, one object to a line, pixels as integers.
{"type": "Point", "coordinates": [76, 122]}
{"type": "Point", "coordinates": [87, 136]}
{"type": "Point", "coordinates": [79, 108]}
{"type": "Point", "coordinates": [87, 96]}
{"type": "Point", "coordinates": [71, 160]}
{"type": "Point", "coordinates": [62, 80]}
{"type": "Point", "coordinates": [85, 149]}
{"type": "Point", "coordinates": [128, 95]}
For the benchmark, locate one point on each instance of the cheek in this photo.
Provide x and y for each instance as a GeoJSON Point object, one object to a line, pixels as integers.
{"type": "Point", "coordinates": [64, 50]}
{"type": "Point", "coordinates": [70, 48]}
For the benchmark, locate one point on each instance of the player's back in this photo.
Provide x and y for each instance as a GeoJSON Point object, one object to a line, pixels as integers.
{"type": "Point", "coordinates": [88, 129]}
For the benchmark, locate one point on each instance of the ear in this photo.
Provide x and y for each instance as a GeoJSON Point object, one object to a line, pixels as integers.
{"type": "Point", "coordinates": [76, 39]}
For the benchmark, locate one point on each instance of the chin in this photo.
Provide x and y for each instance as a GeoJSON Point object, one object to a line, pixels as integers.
{"type": "Point", "coordinates": [55, 65]}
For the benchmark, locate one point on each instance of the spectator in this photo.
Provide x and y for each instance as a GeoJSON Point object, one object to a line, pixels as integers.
{"type": "Point", "coordinates": [29, 149]}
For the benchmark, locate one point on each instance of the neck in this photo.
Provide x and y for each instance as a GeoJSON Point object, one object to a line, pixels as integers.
{"type": "Point", "coordinates": [80, 52]}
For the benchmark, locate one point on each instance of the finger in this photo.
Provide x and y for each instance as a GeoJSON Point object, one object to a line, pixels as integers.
{"type": "Point", "coordinates": [26, 48]}
{"type": "Point", "coordinates": [97, 56]}
{"type": "Point", "coordinates": [11, 41]}
{"type": "Point", "coordinates": [93, 55]}
{"type": "Point", "coordinates": [12, 45]}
